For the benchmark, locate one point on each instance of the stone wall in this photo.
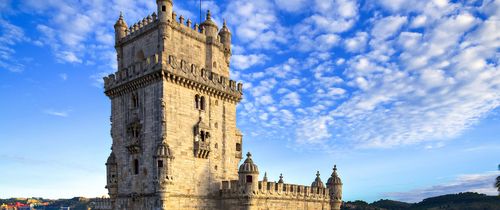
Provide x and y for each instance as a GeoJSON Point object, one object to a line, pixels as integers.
{"type": "Point", "coordinates": [273, 196]}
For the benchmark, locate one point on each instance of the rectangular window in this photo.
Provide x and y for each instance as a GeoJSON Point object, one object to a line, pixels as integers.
{"type": "Point", "coordinates": [163, 8]}
{"type": "Point", "coordinates": [136, 166]}
{"type": "Point", "coordinates": [238, 147]}
{"type": "Point", "coordinates": [160, 163]}
{"type": "Point", "coordinates": [249, 179]}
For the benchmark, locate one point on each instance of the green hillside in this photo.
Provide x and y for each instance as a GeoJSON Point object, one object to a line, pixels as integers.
{"type": "Point", "coordinates": [461, 201]}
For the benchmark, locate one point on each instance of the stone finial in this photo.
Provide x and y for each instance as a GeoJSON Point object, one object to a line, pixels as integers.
{"type": "Point", "coordinates": [281, 179]}
{"type": "Point", "coordinates": [249, 155]}
{"type": "Point", "coordinates": [149, 19]}
{"type": "Point", "coordinates": [196, 27]}
{"type": "Point", "coordinates": [154, 16]}
{"type": "Point", "coordinates": [265, 177]}
{"type": "Point", "coordinates": [181, 19]}
{"type": "Point", "coordinates": [174, 16]}
{"type": "Point", "coordinates": [209, 15]}
{"type": "Point", "coordinates": [188, 23]}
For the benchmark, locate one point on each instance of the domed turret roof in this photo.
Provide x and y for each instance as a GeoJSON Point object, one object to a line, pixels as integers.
{"type": "Point", "coordinates": [209, 21]}
{"type": "Point", "coordinates": [248, 166]}
{"type": "Point", "coordinates": [163, 150]}
{"type": "Point", "coordinates": [317, 182]}
{"type": "Point", "coordinates": [224, 29]}
{"type": "Point", "coordinates": [334, 179]}
{"type": "Point", "coordinates": [121, 22]}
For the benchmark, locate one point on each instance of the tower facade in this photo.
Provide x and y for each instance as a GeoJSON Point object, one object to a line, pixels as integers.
{"type": "Point", "coordinates": [173, 123]}
{"type": "Point", "coordinates": [173, 113]}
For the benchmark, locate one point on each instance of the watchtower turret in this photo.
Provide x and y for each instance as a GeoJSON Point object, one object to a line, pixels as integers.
{"type": "Point", "coordinates": [210, 28]}
{"type": "Point", "coordinates": [334, 185]}
{"type": "Point", "coordinates": [248, 175]}
{"type": "Point", "coordinates": [317, 182]}
{"type": "Point", "coordinates": [121, 28]}
{"type": "Point", "coordinates": [165, 8]}
{"type": "Point", "coordinates": [225, 37]}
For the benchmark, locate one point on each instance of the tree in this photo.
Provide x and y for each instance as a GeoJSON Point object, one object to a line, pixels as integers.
{"type": "Point", "coordinates": [497, 184]}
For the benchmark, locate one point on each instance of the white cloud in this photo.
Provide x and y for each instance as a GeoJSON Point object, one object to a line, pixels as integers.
{"type": "Point", "coordinates": [357, 43]}
{"type": "Point", "coordinates": [10, 35]}
{"type": "Point", "coordinates": [64, 113]}
{"type": "Point", "coordinates": [255, 23]}
{"type": "Point", "coordinates": [243, 62]}
{"type": "Point", "coordinates": [291, 99]}
{"type": "Point", "coordinates": [388, 26]}
{"type": "Point", "coordinates": [413, 88]}
{"type": "Point", "coordinates": [291, 5]}
{"type": "Point", "coordinates": [480, 183]}
{"type": "Point", "coordinates": [314, 130]}
{"type": "Point", "coordinates": [63, 76]}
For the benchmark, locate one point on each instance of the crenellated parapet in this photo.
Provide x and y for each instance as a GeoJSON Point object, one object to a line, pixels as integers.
{"type": "Point", "coordinates": [100, 204]}
{"type": "Point", "coordinates": [184, 73]}
{"type": "Point", "coordinates": [232, 189]}
{"type": "Point", "coordinates": [198, 32]}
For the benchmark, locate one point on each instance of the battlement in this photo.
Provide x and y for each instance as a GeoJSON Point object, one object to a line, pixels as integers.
{"type": "Point", "coordinates": [146, 24]}
{"type": "Point", "coordinates": [180, 24]}
{"type": "Point", "coordinates": [173, 70]}
{"type": "Point", "coordinates": [233, 188]}
{"type": "Point", "coordinates": [100, 203]}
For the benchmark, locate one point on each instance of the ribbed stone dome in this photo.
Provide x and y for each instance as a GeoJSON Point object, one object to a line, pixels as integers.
{"type": "Point", "coordinates": [209, 22]}
{"type": "Point", "coordinates": [163, 150]}
{"type": "Point", "coordinates": [334, 179]}
{"type": "Point", "coordinates": [317, 182]}
{"type": "Point", "coordinates": [248, 166]}
{"type": "Point", "coordinates": [224, 29]}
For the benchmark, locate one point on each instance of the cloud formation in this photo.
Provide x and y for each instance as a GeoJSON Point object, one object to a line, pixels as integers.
{"type": "Point", "coordinates": [397, 86]}
{"type": "Point", "coordinates": [480, 183]}
{"type": "Point", "coordinates": [352, 73]}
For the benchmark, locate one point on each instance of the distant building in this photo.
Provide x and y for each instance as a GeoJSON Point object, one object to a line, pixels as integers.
{"type": "Point", "coordinates": [173, 114]}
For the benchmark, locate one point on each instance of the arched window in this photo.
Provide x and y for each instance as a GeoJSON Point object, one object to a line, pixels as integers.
{"type": "Point", "coordinates": [202, 103]}
{"type": "Point", "coordinates": [135, 100]}
{"type": "Point", "coordinates": [139, 57]}
{"type": "Point", "coordinates": [136, 166]}
{"type": "Point", "coordinates": [197, 101]}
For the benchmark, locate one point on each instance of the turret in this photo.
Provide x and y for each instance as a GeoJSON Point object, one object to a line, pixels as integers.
{"type": "Point", "coordinates": [163, 161]}
{"type": "Point", "coordinates": [317, 182]}
{"type": "Point", "coordinates": [163, 178]}
{"type": "Point", "coordinates": [165, 8]}
{"type": "Point", "coordinates": [334, 185]}
{"type": "Point", "coordinates": [248, 175]}
{"type": "Point", "coordinates": [112, 178]}
{"type": "Point", "coordinates": [121, 28]}
{"type": "Point", "coordinates": [209, 26]}
{"type": "Point", "coordinates": [225, 37]}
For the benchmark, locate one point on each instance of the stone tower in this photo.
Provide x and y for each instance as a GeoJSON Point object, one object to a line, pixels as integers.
{"type": "Point", "coordinates": [334, 185]}
{"type": "Point", "coordinates": [173, 113]}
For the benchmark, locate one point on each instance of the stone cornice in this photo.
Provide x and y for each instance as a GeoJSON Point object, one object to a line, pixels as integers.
{"type": "Point", "coordinates": [212, 85]}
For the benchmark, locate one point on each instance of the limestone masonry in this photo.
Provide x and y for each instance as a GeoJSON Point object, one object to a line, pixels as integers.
{"type": "Point", "coordinates": [173, 114]}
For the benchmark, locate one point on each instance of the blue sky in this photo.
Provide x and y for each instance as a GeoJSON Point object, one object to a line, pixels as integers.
{"type": "Point", "coordinates": [402, 95]}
